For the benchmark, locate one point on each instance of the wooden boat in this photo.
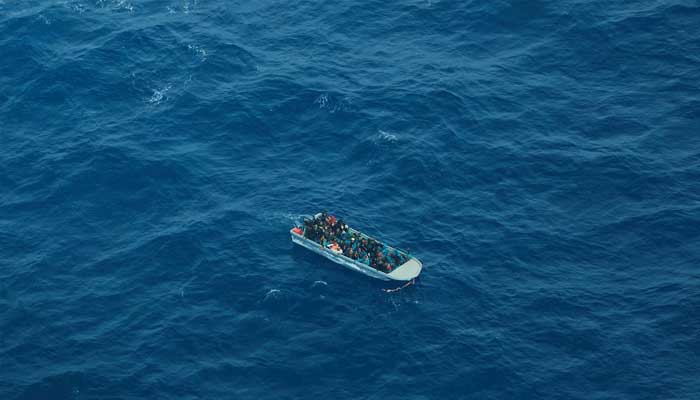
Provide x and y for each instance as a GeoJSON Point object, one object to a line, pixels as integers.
{"type": "Point", "coordinates": [405, 272]}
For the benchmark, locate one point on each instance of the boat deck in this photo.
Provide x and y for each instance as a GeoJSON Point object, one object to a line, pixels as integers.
{"type": "Point", "coordinates": [410, 269]}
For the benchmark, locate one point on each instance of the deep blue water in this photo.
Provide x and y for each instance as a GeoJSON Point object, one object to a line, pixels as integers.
{"type": "Point", "coordinates": [542, 158]}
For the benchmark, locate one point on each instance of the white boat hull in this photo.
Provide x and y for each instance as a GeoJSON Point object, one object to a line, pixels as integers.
{"type": "Point", "coordinates": [409, 270]}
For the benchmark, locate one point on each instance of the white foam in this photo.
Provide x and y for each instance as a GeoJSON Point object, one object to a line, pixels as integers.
{"type": "Point", "coordinates": [123, 4]}
{"type": "Point", "coordinates": [159, 95]}
{"type": "Point", "coordinates": [281, 217]}
{"type": "Point", "coordinates": [387, 137]}
{"type": "Point", "coordinates": [333, 104]}
{"type": "Point", "coordinates": [272, 293]}
{"type": "Point", "coordinates": [184, 286]}
{"type": "Point", "coordinates": [200, 52]}
{"type": "Point", "coordinates": [322, 101]}
{"type": "Point", "coordinates": [116, 4]}
{"type": "Point", "coordinates": [76, 6]}
{"type": "Point", "coordinates": [42, 18]}
{"type": "Point", "coordinates": [187, 5]}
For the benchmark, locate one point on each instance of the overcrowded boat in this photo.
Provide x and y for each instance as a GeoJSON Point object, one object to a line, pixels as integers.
{"type": "Point", "coordinates": [330, 237]}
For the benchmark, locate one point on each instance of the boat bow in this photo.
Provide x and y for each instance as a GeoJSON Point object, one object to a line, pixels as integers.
{"type": "Point", "coordinates": [407, 271]}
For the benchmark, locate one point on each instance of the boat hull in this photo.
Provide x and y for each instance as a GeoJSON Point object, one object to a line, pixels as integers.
{"type": "Point", "coordinates": [413, 265]}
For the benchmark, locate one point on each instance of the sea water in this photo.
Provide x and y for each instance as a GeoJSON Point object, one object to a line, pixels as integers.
{"type": "Point", "coordinates": [541, 158]}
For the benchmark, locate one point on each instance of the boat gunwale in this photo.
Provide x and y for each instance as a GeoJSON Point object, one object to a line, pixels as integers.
{"type": "Point", "coordinates": [404, 252]}
{"type": "Point", "coordinates": [357, 263]}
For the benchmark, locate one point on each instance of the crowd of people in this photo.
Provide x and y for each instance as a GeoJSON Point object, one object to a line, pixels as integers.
{"type": "Point", "coordinates": [333, 233]}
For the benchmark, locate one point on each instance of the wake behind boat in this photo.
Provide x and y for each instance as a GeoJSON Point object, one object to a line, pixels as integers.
{"type": "Point", "coordinates": [330, 237]}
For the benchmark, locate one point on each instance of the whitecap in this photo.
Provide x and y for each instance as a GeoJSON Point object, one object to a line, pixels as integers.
{"type": "Point", "coordinates": [76, 6]}
{"type": "Point", "coordinates": [344, 104]}
{"type": "Point", "coordinates": [185, 6]}
{"type": "Point", "coordinates": [116, 4]}
{"type": "Point", "coordinates": [182, 288]}
{"type": "Point", "coordinates": [159, 95]}
{"type": "Point", "coordinates": [272, 293]}
{"type": "Point", "coordinates": [122, 4]}
{"type": "Point", "coordinates": [42, 18]}
{"type": "Point", "coordinates": [188, 5]}
{"type": "Point", "coordinates": [200, 52]}
{"type": "Point", "coordinates": [317, 283]}
{"type": "Point", "coordinates": [322, 101]}
{"type": "Point", "coordinates": [387, 137]}
{"type": "Point", "coordinates": [333, 104]}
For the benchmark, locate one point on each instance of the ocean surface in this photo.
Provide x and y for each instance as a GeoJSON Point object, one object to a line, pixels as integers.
{"type": "Point", "coordinates": [541, 158]}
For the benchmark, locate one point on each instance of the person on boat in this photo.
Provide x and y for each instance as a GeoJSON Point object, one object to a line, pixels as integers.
{"type": "Point", "coordinates": [334, 247]}
{"type": "Point", "coordinates": [324, 230]}
{"type": "Point", "coordinates": [386, 254]}
{"type": "Point", "coordinates": [403, 259]}
{"type": "Point", "coordinates": [397, 259]}
{"type": "Point", "coordinates": [330, 220]}
{"type": "Point", "coordinates": [341, 227]}
{"type": "Point", "coordinates": [380, 260]}
{"type": "Point", "coordinates": [345, 243]}
{"type": "Point", "coordinates": [308, 229]}
{"type": "Point", "coordinates": [362, 254]}
{"type": "Point", "coordinates": [381, 265]}
{"type": "Point", "coordinates": [373, 245]}
{"type": "Point", "coordinates": [363, 245]}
